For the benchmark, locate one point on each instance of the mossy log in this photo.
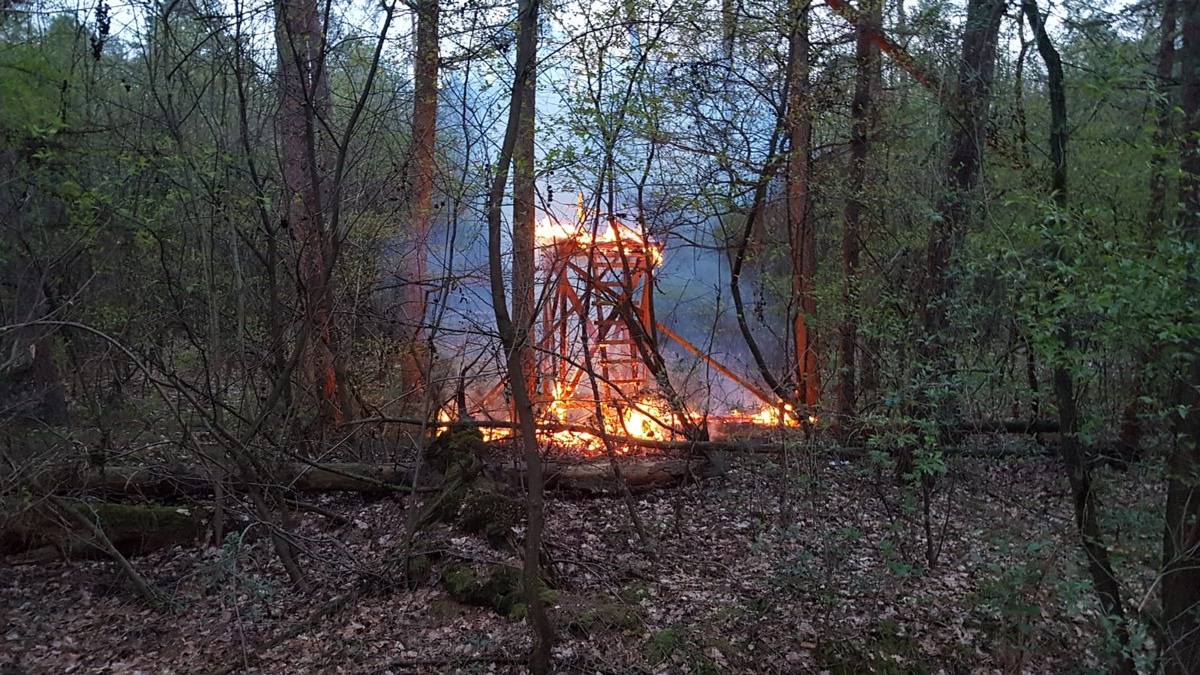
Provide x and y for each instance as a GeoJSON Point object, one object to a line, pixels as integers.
{"type": "Point", "coordinates": [583, 614]}
{"type": "Point", "coordinates": [45, 533]}
{"type": "Point", "coordinates": [498, 590]}
{"type": "Point", "coordinates": [181, 480]}
{"type": "Point", "coordinates": [496, 587]}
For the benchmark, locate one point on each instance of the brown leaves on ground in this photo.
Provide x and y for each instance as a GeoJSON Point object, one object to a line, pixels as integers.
{"type": "Point", "coordinates": [759, 570]}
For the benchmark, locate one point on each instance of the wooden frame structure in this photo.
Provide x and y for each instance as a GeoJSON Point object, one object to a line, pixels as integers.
{"type": "Point", "coordinates": [596, 303]}
{"type": "Point", "coordinates": [596, 284]}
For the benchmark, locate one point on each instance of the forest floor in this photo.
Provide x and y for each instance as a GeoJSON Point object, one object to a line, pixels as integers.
{"type": "Point", "coordinates": [818, 568]}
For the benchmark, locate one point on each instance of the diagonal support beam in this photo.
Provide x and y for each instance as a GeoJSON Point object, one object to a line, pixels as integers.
{"type": "Point", "coordinates": [721, 368]}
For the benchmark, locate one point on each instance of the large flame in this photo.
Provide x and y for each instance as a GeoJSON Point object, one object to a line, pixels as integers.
{"type": "Point", "coordinates": [626, 423]}
{"type": "Point", "coordinates": [640, 420]}
{"type": "Point", "coordinates": [550, 231]}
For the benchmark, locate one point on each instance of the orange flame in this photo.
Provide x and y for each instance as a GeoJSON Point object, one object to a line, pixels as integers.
{"type": "Point", "coordinates": [549, 230]}
{"type": "Point", "coordinates": [770, 416]}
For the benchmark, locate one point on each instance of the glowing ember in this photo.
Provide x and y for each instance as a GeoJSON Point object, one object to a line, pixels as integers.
{"type": "Point", "coordinates": [769, 416]}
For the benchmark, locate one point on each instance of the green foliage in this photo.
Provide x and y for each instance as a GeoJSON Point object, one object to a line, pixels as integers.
{"type": "Point", "coordinates": [1013, 594]}
{"type": "Point", "coordinates": [224, 573]}
{"type": "Point", "coordinates": [662, 644]}
{"type": "Point", "coordinates": [600, 614]}
{"type": "Point", "coordinates": [891, 651]}
{"type": "Point", "coordinates": [1105, 289]}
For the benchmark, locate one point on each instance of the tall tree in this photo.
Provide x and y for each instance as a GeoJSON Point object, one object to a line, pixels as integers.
{"type": "Point", "coordinates": [1165, 101]}
{"type": "Point", "coordinates": [968, 114]}
{"type": "Point", "coordinates": [524, 222]}
{"type": "Point", "coordinates": [862, 114]}
{"type": "Point", "coordinates": [303, 108]}
{"type": "Point", "coordinates": [422, 166]}
{"type": "Point", "coordinates": [801, 232]}
{"type": "Point", "coordinates": [1083, 496]}
{"type": "Point", "coordinates": [514, 337]}
{"type": "Point", "coordinates": [1181, 540]}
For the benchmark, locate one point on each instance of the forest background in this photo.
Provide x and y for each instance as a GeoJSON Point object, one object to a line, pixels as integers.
{"type": "Point", "coordinates": [262, 240]}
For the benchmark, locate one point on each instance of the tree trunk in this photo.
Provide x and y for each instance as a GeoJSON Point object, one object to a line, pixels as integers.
{"type": "Point", "coordinates": [862, 113]}
{"type": "Point", "coordinates": [616, 475]}
{"type": "Point", "coordinates": [129, 529]}
{"type": "Point", "coordinates": [420, 176]}
{"type": "Point", "coordinates": [1181, 540]}
{"type": "Point", "coordinates": [189, 480]}
{"type": "Point", "coordinates": [801, 233]}
{"type": "Point", "coordinates": [175, 481]}
{"type": "Point", "coordinates": [1165, 101]}
{"type": "Point", "coordinates": [524, 235]}
{"type": "Point", "coordinates": [52, 404]}
{"type": "Point", "coordinates": [968, 113]}
{"type": "Point", "coordinates": [303, 100]}
{"type": "Point", "coordinates": [1157, 214]}
{"type": "Point", "coordinates": [513, 338]}
{"type": "Point", "coordinates": [1087, 508]}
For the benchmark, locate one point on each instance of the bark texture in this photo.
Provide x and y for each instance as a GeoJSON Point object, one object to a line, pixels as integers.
{"type": "Point", "coordinates": [1181, 540]}
{"type": "Point", "coordinates": [422, 167]}
{"type": "Point", "coordinates": [514, 337]}
{"type": "Point", "coordinates": [801, 233]}
{"type": "Point", "coordinates": [303, 102]}
{"type": "Point", "coordinates": [968, 115]}
{"type": "Point", "coordinates": [1086, 506]}
{"type": "Point", "coordinates": [862, 114]}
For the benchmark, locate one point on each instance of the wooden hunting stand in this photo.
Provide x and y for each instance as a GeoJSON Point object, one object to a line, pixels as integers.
{"type": "Point", "coordinates": [597, 295]}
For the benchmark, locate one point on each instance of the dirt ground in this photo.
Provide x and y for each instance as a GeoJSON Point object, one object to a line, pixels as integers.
{"type": "Point", "coordinates": [780, 565]}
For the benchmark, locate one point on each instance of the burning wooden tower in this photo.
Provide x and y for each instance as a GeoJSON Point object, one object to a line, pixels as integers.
{"type": "Point", "coordinates": [596, 308]}
{"type": "Point", "coordinates": [596, 316]}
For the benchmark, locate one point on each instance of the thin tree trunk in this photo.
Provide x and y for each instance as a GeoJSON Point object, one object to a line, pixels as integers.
{"type": "Point", "coordinates": [524, 226]}
{"type": "Point", "coordinates": [862, 113]}
{"type": "Point", "coordinates": [52, 406]}
{"type": "Point", "coordinates": [1164, 106]}
{"type": "Point", "coordinates": [1087, 508]}
{"type": "Point", "coordinates": [1181, 540]}
{"type": "Point", "coordinates": [1165, 99]}
{"type": "Point", "coordinates": [514, 343]}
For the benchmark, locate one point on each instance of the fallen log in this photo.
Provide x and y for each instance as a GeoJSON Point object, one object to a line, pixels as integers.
{"type": "Point", "coordinates": [45, 532]}
{"type": "Point", "coordinates": [180, 480]}
{"type": "Point", "coordinates": [597, 477]}
{"type": "Point", "coordinates": [175, 481]}
{"type": "Point", "coordinates": [1007, 427]}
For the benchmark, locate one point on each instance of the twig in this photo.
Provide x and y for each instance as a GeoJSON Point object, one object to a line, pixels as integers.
{"type": "Point", "coordinates": [328, 608]}
{"type": "Point", "coordinates": [144, 589]}
{"type": "Point", "coordinates": [337, 518]}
